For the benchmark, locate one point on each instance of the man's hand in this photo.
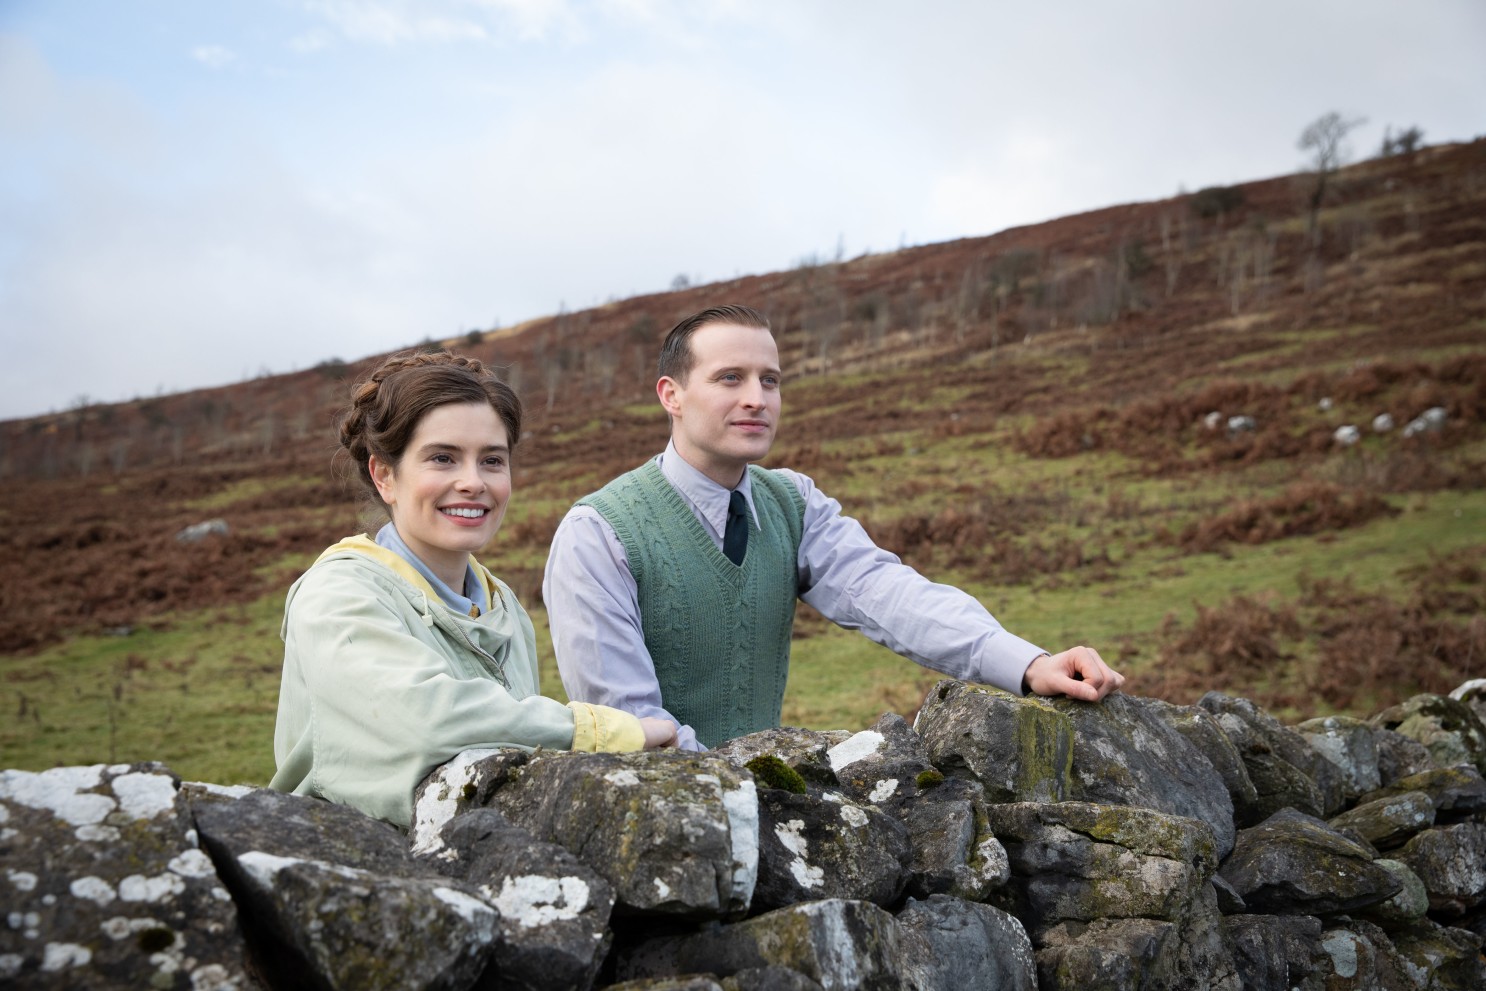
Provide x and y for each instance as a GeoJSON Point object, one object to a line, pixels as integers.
{"type": "Point", "coordinates": [658, 732]}
{"type": "Point", "coordinates": [1079, 673]}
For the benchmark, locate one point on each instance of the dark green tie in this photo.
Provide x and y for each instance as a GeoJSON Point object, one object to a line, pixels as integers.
{"type": "Point", "coordinates": [735, 537]}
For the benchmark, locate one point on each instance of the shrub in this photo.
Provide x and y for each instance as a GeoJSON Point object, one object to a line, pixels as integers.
{"type": "Point", "coordinates": [1215, 201]}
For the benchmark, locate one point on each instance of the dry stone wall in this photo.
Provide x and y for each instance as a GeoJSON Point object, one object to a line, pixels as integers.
{"type": "Point", "coordinates": [997, 843]}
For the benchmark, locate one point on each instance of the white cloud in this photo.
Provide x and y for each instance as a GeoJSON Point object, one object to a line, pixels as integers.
{"type": "Point", "coordinates": [394, 22]}
{"type": "Point", "coordinates": [213, 56]}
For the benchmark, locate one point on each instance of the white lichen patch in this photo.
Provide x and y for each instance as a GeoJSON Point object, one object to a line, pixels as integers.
{"type": "Point", "coordinates": [1342, 948]}
{"type": "Point", "coordinates": [161, 887]}
{"type": "Point", "coordinates": [854, 748]}
{"type": "Point", "coordinates": [884, 790]}
{"type": "Point", "coordinates": [97, 834]}
{"type": "Point", "coordinates": [121, 926]}
{"type": "Point", "coordinates": [853, 816]}
{"type": "Point", "coordinates": [806, 875]}
{"type": "Point", "coordinates": [26, 922]}
{"type": "Point", "coordinates": [534, 900]}
{"type": "Point", "coordinates": [62, 791]}
{"type": "Point", "coordinates": [662, 889]}
{"type": "Point", "coordinates": [10, 964]}
{"type": "Point", "coordinates": [93, 889]}
{"type": "Point", "coordinates": [263, 867]}
{"type": "Point", "coordinates": [470, 909]}
{"type": "Point", "coordinates": [741, 807]}
{"type": "Point", "coordinates": [837, 952]}
{"type": "Point", "coordinates": [192, 863]}
{"type": "Point", "coordinates": [22, 880]}
{"type": "Point", "coordinates": [144, 796]}
{"type": "Point", "coordinates": [789, 836]}
{"type": "Point", "coordinates": [214, 977]}
{"type": "Point", "coordinates": [623, 777]}
{"type": "Point", "coordinates": [60, 956]}
{"type": "Point", "coordinates": [226, 791]}
{"type": "Point", "coordinates": [440, 799]}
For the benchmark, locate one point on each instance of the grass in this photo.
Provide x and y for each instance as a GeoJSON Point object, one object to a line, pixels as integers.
{"type": "Point", "coordinates": [200, 692]}
{"type": "Point", "coordinates": [200, 696]}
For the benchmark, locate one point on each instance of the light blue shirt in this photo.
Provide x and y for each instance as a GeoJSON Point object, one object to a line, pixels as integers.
{"type": "Point", "coordinates": [593, 604]}
{"type": "Point", "coordinates": [474, 594]}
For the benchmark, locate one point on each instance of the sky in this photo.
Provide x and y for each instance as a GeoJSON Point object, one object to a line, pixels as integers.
{"type": "Point", "coordinates": [197, 192]}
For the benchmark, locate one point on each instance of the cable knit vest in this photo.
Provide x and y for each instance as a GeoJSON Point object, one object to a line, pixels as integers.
{"type": "Point", "coordinates": [719, 633]}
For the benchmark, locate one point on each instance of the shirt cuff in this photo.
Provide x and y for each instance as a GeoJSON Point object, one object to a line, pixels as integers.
{"type": "Point", "coordinates": [600, 729]}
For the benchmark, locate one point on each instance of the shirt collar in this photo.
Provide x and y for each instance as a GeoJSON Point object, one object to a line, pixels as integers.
{"type": "Point", "coordinates": [709, 498]}
{"type": "Point", "coordinates": [474, 589]}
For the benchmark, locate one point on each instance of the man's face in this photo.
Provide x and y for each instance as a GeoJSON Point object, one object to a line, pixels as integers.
{"type": "Point", "coordinates": [725, 414]}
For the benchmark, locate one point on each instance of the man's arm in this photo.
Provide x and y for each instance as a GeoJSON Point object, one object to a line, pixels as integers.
{"type": "Point", "coordinates": [858, 585]}
{"type": "Point", "coordinates": [593, 609]}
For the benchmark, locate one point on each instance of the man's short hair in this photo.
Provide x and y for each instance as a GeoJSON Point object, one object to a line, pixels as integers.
{"type": "Point", "coordinates": [676, 358]}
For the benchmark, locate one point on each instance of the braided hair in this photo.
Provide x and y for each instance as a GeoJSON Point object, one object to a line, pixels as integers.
{"type": "Point", "coordinates": [387, 407]}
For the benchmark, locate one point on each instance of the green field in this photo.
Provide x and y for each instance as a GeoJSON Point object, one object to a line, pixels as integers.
{"type": "Point", "coordinates": [199, 690]}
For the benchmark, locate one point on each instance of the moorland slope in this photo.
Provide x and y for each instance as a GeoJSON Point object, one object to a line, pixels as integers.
{"type": "Point", "coordinates": [1027, 414]}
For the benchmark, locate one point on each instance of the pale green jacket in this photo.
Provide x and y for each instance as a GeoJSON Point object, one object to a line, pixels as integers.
{"type": "Point", "coordinates": [383, 682]}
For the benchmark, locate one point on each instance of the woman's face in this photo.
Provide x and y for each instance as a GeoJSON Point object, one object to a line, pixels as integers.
{"type": "Point", "coordinates": [449, 492]}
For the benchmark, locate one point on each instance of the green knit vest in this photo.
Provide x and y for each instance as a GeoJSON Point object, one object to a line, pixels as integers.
{"type": "Point", "coordinates": [719, 633]}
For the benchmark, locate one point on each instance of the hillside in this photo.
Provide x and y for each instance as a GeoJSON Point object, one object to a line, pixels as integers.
{"type": "Point", "coordinates": [1025, 414]}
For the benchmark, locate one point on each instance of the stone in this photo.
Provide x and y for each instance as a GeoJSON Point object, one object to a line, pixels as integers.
{"type": "Point", "coordinates": [1202, 730]}
{"type": "Point", "coordinates": [1407, 906]}
{"type": "Point", "coordinates": [1135, 953]}
{"type": "Point", "coordinates": [883, 764]}
{"type": "Point", "coordinates": [554, 910]}
{"type": "Point", "coordinates": [1388, 822]}
{"type": "Point", "coordinates": [803, 750]}
{"type": "Point", "coordinates": [674, 833]}
{"type": "Point", "coordinates": [1473, 694]}
{"type": "Point", "coordinates": [952, 848]}
{"type": "Point", "coordinates": [1399, 756]}
{"type": "Point", "coordinates": [1126, 752]}
{"type": "Point", "coordinates": [1295, 864]}
{"type": "Point", "coordinates": [949, 944]}
{"type": "Point", "coordinates": [813, 847]}
{"type": "Point", "coordinates": [1455, 792]}
{"type": "Point", "coordinates": [466, 782]}
{"type": "Point", "coordinates": [768, 979]}
{"type": "Point", "coordinates": [332, 898]}
{"type": "Point", "coordinates": [1448, 728]}
{"type": "Point", "coordinates": [1451, 861]}
{"type": "Point", "coordinates": [1276, 953]}
{"type": "Point", "coordinates": [839, 944]}
{"type": "Point", "coordinates": [354, 929]}
{"type": "Point", "coordinates": [1361, 957]}
{"type": "Point", "coordinates": [1074, 861]}
{"type": "Point", "coordinates": [1441, 957]}
{"type": "Point", "coordinates": [104, 885]}
{"type": "Point", "coordinates": [1287, 772]}
{"type": "Point", "coordinates": [1352, 745]}
{"type": "Point", "coordinates": [1019, 749]}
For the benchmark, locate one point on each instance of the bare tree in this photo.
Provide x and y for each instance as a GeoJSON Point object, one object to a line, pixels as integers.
{"type": "Point", "coordinates": [1325, 139]}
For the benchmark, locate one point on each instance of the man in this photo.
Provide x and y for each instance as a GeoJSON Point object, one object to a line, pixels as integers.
{"type": "Point", "coordinates": [671, 591]}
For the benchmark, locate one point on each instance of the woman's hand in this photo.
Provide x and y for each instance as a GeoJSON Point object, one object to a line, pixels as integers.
{"type": "Point", "coordinates": [658, 732]}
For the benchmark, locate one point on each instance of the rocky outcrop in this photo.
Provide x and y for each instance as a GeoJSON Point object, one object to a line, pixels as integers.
{"type": "Point", "coordinates": [996, 843]}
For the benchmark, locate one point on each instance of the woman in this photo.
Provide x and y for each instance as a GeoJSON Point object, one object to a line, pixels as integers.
{"type": "Point", "coordinates": [401, 652]}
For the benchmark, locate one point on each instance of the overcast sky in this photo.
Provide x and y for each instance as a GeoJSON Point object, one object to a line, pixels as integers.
{"type": "Point", "coordinates": [196, 191]}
